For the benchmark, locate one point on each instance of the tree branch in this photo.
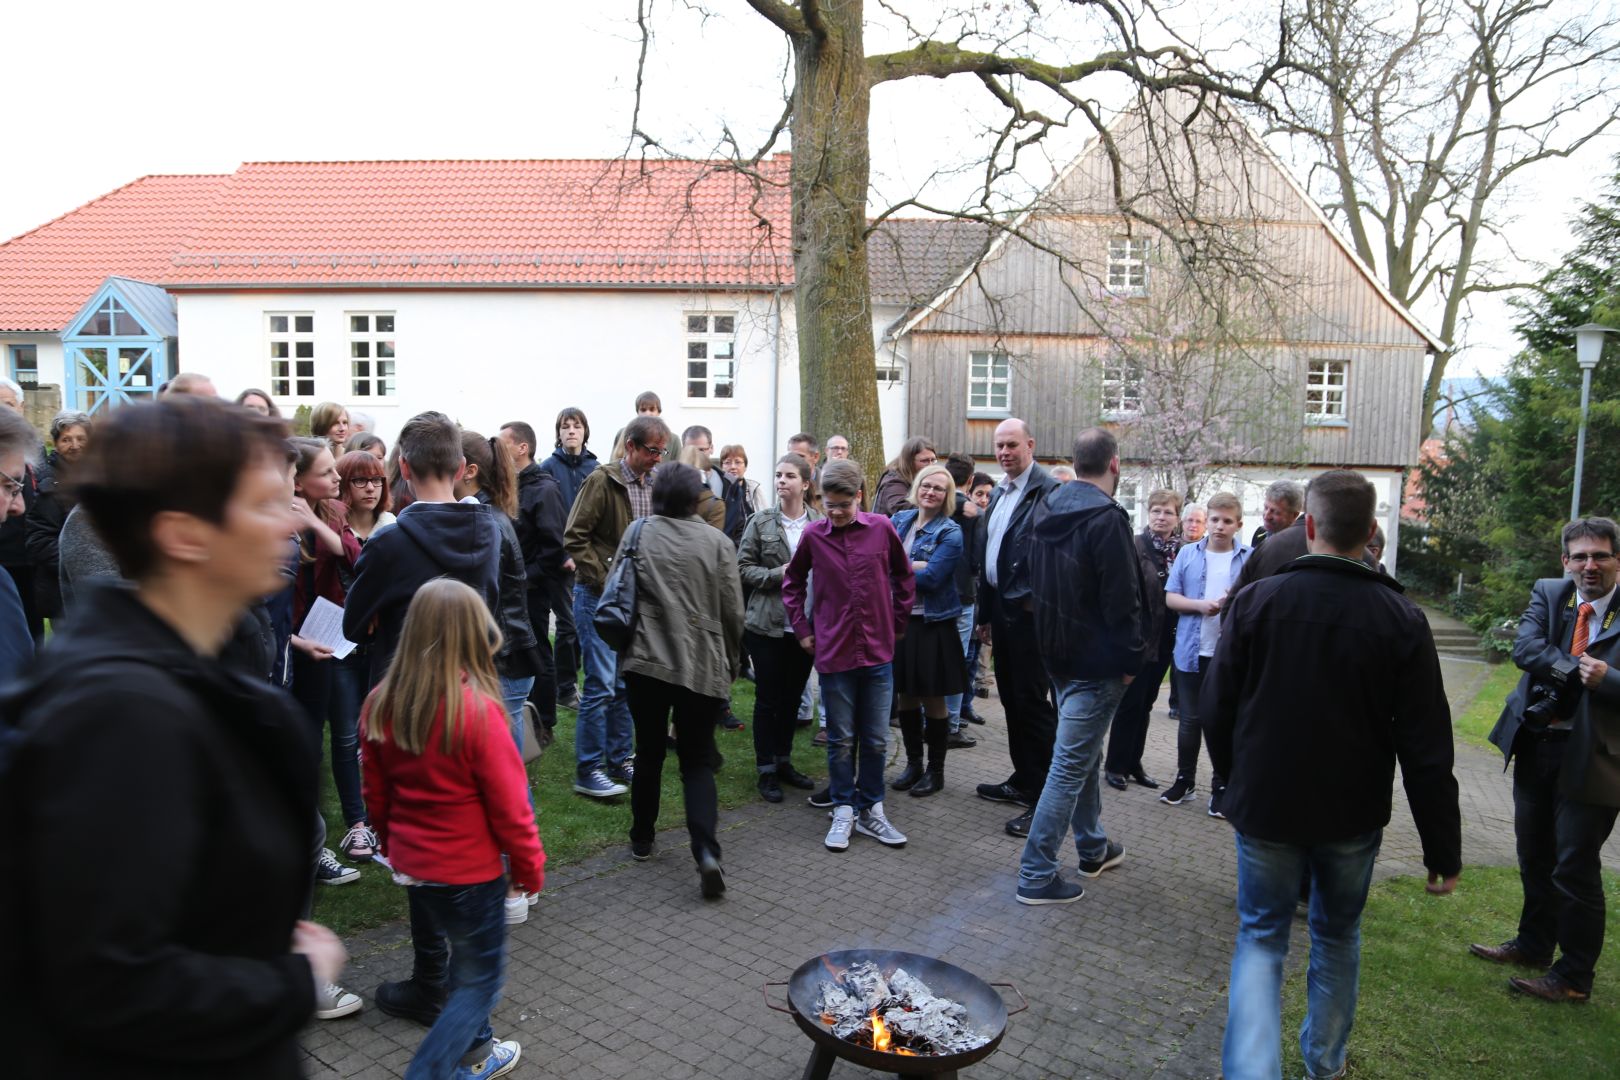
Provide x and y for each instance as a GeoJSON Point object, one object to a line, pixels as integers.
{"type": "Point", "coordinates": [785, 17]}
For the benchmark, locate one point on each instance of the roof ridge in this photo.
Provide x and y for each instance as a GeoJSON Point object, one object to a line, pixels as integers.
{"type": "Point", "coordinates": [496, 161]}
{"type": "Point", "coordinates": [109, 194]}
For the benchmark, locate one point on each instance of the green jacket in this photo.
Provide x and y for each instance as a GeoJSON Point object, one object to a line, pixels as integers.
{"type": "Point", "coordinates": [597, 522]}
{"type": "Point", "coordinates": [762, 559]}
{"type": "Point", "coordinates": [689, 611]}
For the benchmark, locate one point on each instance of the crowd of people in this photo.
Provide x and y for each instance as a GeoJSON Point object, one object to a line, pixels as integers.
{"type": "Point", "coordinates": [477, 578]}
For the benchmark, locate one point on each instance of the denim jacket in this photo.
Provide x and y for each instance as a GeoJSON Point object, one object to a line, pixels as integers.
{"type": "Point", "coordinates": [939, 543]}
{"type": "Point", "coordinates": [1187, 578]}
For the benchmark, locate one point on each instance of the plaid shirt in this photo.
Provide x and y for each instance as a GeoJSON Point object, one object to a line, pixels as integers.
{"type": "Point", "coordinates": [639, 489]}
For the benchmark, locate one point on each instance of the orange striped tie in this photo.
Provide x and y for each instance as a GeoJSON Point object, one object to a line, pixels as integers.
{"type": "Point", "coordinates": [1583, 618]}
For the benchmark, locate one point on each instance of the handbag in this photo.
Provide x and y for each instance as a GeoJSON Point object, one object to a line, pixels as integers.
{"type": "Point", "coordinates": [536, 736]}
{"type": "Point", "coordinates": [615, 618]}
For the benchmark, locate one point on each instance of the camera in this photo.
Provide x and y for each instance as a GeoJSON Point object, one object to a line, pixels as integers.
{"type": "Point", "coordinates": [1554, 697]}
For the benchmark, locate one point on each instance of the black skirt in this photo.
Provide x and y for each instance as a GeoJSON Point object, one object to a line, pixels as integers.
{"type": "Point", "coordinates": [929, 661]}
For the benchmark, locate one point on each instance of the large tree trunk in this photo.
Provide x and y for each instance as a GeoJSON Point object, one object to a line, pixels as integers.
{"type": "Point", "coordinates": [832, 296]}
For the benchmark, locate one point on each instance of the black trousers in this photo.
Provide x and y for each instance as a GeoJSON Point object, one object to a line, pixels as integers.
{"type": "Point", "coordinates": [560, 593]}
{"type": "Point", "coordinates": [781, 668]}
{"type": "Point", "coordinates": [1190, 735]}
{"type": "Point", "coordinates": [695, 716]}
{"type": "Point", "coordinates": [1560, 843]}
{"type": "Point", "coordinates": [543, 694]}
{"type": "Point", "coordinates": [1129, 734]}
{"type": "Point", "coordinates": [1026, 697]}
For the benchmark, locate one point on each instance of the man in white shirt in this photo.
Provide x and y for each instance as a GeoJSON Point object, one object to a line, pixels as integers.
{"type": "Point", "coordinates": [1006, 619]}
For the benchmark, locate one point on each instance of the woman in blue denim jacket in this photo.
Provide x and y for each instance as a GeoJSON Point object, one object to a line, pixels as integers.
{"type": "Point", "coordinates": [928, 664]}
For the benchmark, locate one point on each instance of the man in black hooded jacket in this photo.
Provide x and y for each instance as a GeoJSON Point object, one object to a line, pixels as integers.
{"type": "Point", "coordinates": [1086, 583]}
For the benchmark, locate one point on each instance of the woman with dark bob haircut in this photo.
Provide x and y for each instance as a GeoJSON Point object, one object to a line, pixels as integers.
{"type": "Point", "coordinates": [684, 652]}
{"type": "Point", "coordinates": [196, 780]}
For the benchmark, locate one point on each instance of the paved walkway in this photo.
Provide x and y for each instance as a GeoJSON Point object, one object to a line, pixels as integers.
{"type": "Point", "coordinates": [624, 972]}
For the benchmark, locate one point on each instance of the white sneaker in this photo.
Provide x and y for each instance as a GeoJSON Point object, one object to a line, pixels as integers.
{"type": "Point", "coordinates": [843, 820]}
{"type": "Point", "coordinates": [534, 898]}
{"type": "Point", "coordinates": [872, 823]}
{"type": "Point", "coordinates": [517, 910]}
{"type": "Point", "coordinates": [332, 1001]}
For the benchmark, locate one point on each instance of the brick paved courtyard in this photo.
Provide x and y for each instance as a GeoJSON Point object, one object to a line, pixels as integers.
{"type": "Point", "coordinates": [622, 971]}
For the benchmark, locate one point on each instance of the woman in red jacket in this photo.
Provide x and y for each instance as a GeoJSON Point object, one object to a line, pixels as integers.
{"type": "Point", "coordinates": [448, 795]}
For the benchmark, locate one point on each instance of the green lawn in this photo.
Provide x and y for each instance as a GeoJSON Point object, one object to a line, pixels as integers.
{"type": "Point", "coordinates": [572, 827]}
{"type": "Point", "coordinates": [1429, 1009]}
{"type": "Point", "coordinates": [1476, 721]}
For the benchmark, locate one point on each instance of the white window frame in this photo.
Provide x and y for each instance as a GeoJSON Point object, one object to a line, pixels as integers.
{"type": "Point", "coordinates": [1129, 496]}
{"type": "Point", "coordinates": [988, 383]}
{"type": "Point", "coordinates": [715, 371]}
{"type": "Point", "coordinates": [293, 337]}
{"type": "Point", "coordinates": [14, 356]}
{"type": "Point", "coordinates": [369, 340]}
{"type": "Point", "coordinates": [1329, 380]}
{"type": "Point", "coordinates": [890, 371]}
{"type": "Point", "coordinates": [1128, 265]}
{"type": "Point", "coordinates": [1121, 396]}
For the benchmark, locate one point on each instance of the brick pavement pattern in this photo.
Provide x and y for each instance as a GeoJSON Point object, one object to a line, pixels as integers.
{"type": "Point", "coordinates": [623, 971]}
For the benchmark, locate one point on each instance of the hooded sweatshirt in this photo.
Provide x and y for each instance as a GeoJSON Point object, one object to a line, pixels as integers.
{"type": "Point", "coordinates": [1086, 584]}
{"type": "Point", "coordinates": [570, 471]}
{"type": "Point", "coordinates": [430, 540]}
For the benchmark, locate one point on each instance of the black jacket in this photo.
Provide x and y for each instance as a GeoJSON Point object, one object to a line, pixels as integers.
{"type": "Point", "coordinates": [967, 587]}
{"type": "Point", "coordinates": [517, 632]}
{"type": "Point", "coordinates": [1590, 772]}
{"type": "Point", "coordinates": [1324, 677]}
{"type": "Point", "coordinates": [1160, 627]}
{"type": "Point", "coordinates": [1280, 549]}
{"type": "Point", "coordinates": [14, 530]}
{"type": "Point", "coordinates": [1012, 561]}
{"type": "Point", "coordinates": [542, 515]}
{"type": "Point", "coordinates": [198, 785]}
{"type": "Point", "coordinates": [430, 540]}
{"type": "Point", "coordinates": [570, 471]}
{"type": "Point", "coordinates": [52, 504]}
{"type": "Point", "coordinates": [1086, 580]}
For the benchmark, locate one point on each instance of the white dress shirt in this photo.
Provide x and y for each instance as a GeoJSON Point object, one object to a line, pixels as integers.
{"type": "Point", "coordinates": [1012, 492]}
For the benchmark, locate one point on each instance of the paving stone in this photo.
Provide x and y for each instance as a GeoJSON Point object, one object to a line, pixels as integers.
{"type": "Point", "coordinates": [626, 972]}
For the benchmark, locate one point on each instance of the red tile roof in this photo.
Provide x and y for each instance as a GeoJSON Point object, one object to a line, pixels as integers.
{"type": "Point", "coordinates": [519, 223]}
{"type": "Point", "coordinates": [48, 273]}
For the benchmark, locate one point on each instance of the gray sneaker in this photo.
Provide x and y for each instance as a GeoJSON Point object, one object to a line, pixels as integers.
{"type": "Point", "coordinates": [332, 1001]}
{"type": "Point", "coordinates": [873, 823]}
{"type": "Point", "coordinates": [843, 820]}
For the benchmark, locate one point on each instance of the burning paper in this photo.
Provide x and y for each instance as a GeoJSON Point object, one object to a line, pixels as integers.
{"type": "Point", "coordinates": [897, 1013]}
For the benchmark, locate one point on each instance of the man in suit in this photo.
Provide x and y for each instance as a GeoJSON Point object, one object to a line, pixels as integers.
{"type": "Point", "coordinates": [1566, 781]}
{"type": "Point", "coordinates": [1283, 505]}
{"type": "Point", "coordinates": [1007, 621]}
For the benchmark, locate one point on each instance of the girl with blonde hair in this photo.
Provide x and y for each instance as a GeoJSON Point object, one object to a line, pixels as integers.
{"type": "Point", "coordinates": [448, 796]}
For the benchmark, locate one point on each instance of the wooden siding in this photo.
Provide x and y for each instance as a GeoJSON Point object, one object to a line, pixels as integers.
{"type": "Point", "coordinates": [1055, 385]}
{"type": "Point", "coordinates": [1280, 275]}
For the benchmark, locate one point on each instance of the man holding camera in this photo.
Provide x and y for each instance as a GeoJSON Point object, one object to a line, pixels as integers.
{"type": "Point", "coordinates": [1562, 723]}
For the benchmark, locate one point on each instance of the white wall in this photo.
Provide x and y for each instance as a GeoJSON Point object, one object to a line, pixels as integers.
{"type": "Point", "coordinates": [486, 357]}
{"type": "Point", "coordinates": [50, 355]}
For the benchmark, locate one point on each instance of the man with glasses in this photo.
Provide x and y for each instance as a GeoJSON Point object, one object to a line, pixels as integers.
{"type": "Point", "coordinates": [613, 496]}
{"type": "Point", "coordinates": [17, 440]}
{"type": "Point", "coordinates": [1561, 729]}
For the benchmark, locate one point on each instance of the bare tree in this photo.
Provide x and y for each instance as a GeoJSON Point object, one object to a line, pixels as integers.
{"type": "Point", "coordinates": [827, 114]}
{"type": "Point", "coordinates": [1421, 116]}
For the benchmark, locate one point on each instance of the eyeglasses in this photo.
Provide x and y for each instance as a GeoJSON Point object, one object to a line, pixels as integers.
{"type": "Point", "coordinates": [367, 481]}
{"type": "Point", "coordinates": [1593, 557]}
{"type": "Point", "coordinates": [13, 487]}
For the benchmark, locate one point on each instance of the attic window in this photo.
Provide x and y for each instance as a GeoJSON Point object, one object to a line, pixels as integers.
{"type": "Point", "coordinates": [111, 319]}
{"type": "Point", "coordinates": [1127, 264]}
{"type": "Point", "coordinates": [1121, 388]}
{"type": "Point", "coordinates": [1326, 382]}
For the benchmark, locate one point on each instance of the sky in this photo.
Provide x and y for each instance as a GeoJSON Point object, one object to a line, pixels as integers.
{"type": "Point", "coordinates": [102, 93]}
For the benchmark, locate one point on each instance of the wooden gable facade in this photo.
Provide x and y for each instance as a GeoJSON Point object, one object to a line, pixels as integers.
{"type": "Point", "coordinates": [1216, 223]}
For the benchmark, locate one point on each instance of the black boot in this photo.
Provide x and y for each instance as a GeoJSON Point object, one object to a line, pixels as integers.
{"type": "Point", "coordinates": [911, 733]}
{"type": "Point", "coordinates": [938, 735]}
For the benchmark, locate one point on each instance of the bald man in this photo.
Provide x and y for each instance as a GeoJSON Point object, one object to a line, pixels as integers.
{"type": "Point", "coordinates": [1007, 621]}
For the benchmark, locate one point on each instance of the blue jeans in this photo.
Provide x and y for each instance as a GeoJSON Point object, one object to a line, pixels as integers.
{"type": "Point", "coordinates": [857, 733]}
{"type": "Point", "coordinates": [1269, 874]}
{"type": "Point", "coordinates": [514, 692]}
{"type": "Point", "coordinates": [953, 704]}
{"type": "Point", "coordinates": [603, 733]}
{"type": "Point", "coordinates": [464, 927]}
{"type": "Point", "coordinates": [1071, 796]}
{"type": "Point", "coordinates": [332, 692]}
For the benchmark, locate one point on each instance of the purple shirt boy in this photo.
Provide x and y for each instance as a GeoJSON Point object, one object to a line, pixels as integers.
{"type": "Point", "coordinates": [863, 594]}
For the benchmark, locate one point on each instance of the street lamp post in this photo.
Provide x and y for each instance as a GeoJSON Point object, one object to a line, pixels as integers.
{"type": "Point", "coordinates": [1588, 349]}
